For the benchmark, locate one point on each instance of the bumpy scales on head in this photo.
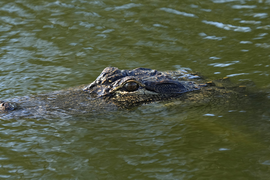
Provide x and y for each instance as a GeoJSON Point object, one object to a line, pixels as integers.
{"type": "Point", "coordinates": [141, 85]}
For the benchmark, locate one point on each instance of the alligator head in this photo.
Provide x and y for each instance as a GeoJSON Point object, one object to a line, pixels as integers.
{"type": "Point", "coordinates": [129, 88]}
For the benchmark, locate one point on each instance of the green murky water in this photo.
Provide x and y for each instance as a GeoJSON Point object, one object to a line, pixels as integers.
{"type": "Point", "coordinates": [50, 45]}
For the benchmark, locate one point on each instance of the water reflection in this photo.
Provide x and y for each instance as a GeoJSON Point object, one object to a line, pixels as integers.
{"type": "Point", "coordinates": [228, 26]}
{"type": "Point", "coordinates": [177, 12]}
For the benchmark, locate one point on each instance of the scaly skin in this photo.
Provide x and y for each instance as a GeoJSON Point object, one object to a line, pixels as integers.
{"type": "Point", "coordinates": [115, 89]}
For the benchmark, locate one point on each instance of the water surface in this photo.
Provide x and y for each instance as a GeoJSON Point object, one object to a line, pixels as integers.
{"type": "Point", "coordinates": [51, 45]}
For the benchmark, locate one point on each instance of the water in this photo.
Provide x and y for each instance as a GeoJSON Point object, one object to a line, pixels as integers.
{"type": "Point", "coordinates": [51, 45]}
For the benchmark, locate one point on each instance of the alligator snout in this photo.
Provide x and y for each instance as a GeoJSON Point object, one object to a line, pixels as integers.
{"type": "Point", "coordinates": [6, 106]}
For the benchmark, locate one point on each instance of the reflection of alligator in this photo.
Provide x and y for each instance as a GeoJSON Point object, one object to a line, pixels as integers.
{"type": "Point", "coordinates": [116, 88]}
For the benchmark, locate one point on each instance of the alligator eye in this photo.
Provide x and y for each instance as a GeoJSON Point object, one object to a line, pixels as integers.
{"type": "Point", "coordinates": [131, 86]}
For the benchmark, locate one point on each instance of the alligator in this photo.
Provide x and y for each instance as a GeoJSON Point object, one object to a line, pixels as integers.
{"type": "Point", "coordinates": [121, 89]}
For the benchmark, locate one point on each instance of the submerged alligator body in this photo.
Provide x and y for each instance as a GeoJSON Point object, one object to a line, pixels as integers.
{"type": "Point", "coordinates": [114, 89]}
